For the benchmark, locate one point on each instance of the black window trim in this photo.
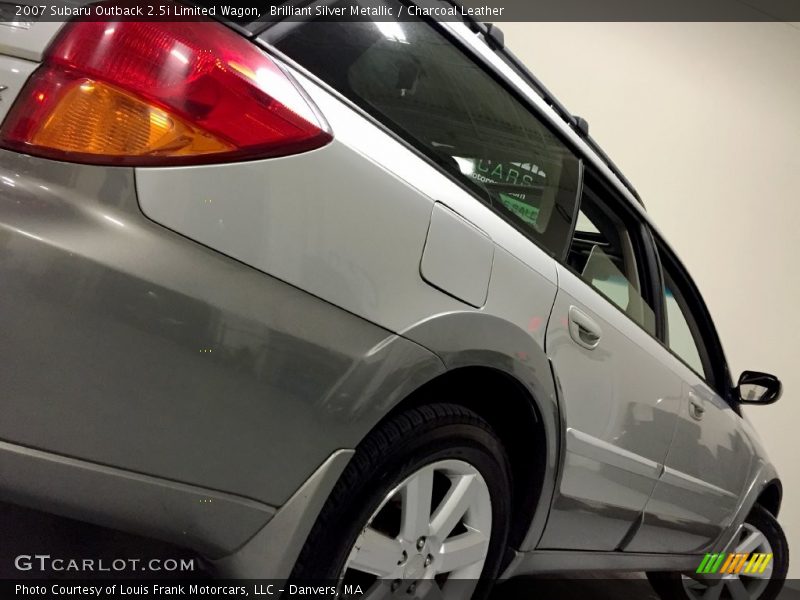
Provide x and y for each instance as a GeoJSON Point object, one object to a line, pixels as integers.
{"type": "Point", "coordinates": [656, 279]}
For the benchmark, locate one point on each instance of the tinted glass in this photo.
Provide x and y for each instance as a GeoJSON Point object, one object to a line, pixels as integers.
{"type": "Point", "coordinates": [603, 253]}
{"type": "Point", "coordinates": [683, 336]}
{"type": "Point", "coordinates": [417, 82]}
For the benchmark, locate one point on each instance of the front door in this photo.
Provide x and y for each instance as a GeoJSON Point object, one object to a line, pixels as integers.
{"type": "Point", "coordinates": [707, 467]}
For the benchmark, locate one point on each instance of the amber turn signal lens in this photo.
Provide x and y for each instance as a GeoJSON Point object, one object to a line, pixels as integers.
{"type": "Point", "coordinates": [96, 118]}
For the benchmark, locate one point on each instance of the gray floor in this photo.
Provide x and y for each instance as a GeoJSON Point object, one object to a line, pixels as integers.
{"type": "Point", "coordinates": [28, 532]}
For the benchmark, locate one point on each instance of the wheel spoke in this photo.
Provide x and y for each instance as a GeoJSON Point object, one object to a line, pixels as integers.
{"type": "Point", "coordinates": [462, 551]}
{"type": "Point", "coordinates": [737, 589]}
{"type": "Point", "coordinates": [416, 496]}
{"type": "Point", "coordinates": [751, 542]}
{"type": "Point", "coordinates": [454, 506]}
{"type": "Point", "coordinates": [375, 553]}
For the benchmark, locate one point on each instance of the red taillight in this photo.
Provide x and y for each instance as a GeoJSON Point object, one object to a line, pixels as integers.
{"type": "Point", "coordinates": [159, 93]}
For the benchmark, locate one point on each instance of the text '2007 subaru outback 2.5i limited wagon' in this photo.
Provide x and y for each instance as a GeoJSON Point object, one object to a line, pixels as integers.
{"type": "Point", "coordinates": [356, 301]}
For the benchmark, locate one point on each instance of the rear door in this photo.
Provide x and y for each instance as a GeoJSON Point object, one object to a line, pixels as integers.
{"type": "Point", "coordinates": [619, 402]}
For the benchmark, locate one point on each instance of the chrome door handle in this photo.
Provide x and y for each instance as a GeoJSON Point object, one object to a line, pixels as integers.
{"type": "Point", "coordinates": [696, 409]}
{"type": "Point", "coordinates": [583, 330]}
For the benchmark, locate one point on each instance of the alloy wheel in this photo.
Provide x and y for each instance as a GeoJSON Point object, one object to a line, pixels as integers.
{"type": "Point", "coordinates": [433, 528]}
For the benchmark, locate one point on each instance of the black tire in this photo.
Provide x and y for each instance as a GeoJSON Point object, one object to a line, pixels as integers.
{"type": "Point", "coordinates": [395, 450]}
{"type": "Point", "coordinates": [669, 586]}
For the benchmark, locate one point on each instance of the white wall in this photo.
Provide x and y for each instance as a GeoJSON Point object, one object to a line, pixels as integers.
{"type": "Point", "coordinates": [704, 119]}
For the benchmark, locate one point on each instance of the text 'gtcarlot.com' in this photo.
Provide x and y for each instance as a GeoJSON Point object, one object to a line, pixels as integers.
{"type": "Point", "coordinates": [45, 563]}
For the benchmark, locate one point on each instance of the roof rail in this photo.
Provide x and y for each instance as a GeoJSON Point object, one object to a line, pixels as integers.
{"type": "Point", "coordinates": [495, 40]}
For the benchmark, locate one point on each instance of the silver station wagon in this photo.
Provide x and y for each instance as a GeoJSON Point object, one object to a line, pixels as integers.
{"type": "Point", "coordinates": [358, 301]}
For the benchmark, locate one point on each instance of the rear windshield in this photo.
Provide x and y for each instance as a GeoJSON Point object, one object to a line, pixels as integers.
{"type": "Point", "coordinates": [417, 82]}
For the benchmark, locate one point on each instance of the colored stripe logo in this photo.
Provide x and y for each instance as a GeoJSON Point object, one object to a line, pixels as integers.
{"type": "Point", "coordinates": [731, 563]}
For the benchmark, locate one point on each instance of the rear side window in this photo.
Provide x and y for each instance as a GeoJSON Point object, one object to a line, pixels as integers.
{"type": "Point", "coordinates": [419, 84]}
{"type": "Point", "coordinates": [605, 254]}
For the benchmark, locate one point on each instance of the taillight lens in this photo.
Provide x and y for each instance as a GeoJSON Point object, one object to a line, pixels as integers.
{"type": "Point", "coordinates": [159, 93]}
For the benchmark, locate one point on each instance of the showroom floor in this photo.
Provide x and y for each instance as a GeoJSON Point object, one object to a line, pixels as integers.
{"type": "Point", "coordinates": [32, 532]}
{"type": "Point", "coordinates": [28, 532]}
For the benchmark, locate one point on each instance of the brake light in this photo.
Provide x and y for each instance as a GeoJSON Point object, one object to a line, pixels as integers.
{"type": "Point", "coordinates": [159, 93]}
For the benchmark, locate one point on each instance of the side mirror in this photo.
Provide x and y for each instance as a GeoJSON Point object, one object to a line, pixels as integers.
{"type": "Point", "coordinates": [758, 388]}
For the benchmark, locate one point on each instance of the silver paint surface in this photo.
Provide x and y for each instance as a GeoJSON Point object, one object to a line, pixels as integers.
{"type": "Point", "coordinates": [128, 345]}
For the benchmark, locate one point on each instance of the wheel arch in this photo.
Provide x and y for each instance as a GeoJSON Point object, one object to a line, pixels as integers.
{"type": "Point", "coordinates": [517, 420]}
{"type": "Point", "coordinates": [771, 496]}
